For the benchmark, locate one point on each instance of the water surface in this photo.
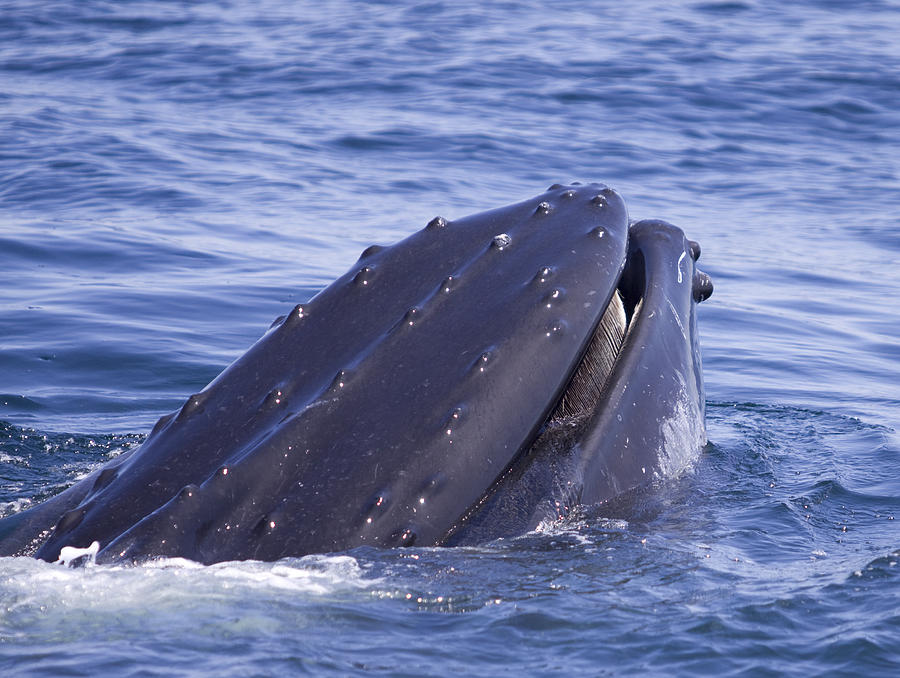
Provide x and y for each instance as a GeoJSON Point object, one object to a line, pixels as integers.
{"type": "Point", "coordinates": [174, 176]}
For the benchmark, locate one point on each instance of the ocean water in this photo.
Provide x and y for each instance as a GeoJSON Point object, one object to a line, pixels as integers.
{"type": "Point", "coordinates": [175, 175]}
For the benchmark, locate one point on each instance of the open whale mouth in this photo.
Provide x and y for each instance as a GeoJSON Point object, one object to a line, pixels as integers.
{"type": "Point", "coordinates": [584, 389]}
{"type": "Point", "coordinates": [584, 392]}
{"type": "Point", "coordinates": [528, 480]}
{"type": "Point", "coordinates": [646, 332]}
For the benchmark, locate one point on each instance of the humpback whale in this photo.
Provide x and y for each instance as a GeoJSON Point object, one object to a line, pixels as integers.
{"type": "Point", "coordinates": [463, 384]}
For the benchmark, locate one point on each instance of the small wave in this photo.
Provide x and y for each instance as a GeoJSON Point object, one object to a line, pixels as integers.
{"type": "Point", "coordinates": [315, 574]}
{"type": "Point", "coordinates": [168, 585]}
{"type": "Point", "coordinates": [886, 566]}
{"type": "Point", "coordinates": [19, 403]}
{"type": "Point", "coordinates": [9, 507]}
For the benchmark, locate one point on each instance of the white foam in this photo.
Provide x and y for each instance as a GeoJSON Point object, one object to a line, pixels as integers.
{"type": "Point", "coordinates": [315, 574]}
{"type": "Point", "coordinates": [172, 587]}
{"type": "Point", "coordinates": [683, 436]}
{"type": "Point", "coordinates": [70, 555]}
{"type": "Point", "coordinates": [9, 507]}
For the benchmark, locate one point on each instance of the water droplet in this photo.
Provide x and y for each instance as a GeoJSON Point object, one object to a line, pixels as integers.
{"type": "Point", "coordinates": [410, 317]}
{"type": "Point", "coordinates": [553, 297]}
{"type": "Point", "coordinates": [364, 276]}
{"type": "Point", "coordinates": [694, 246]}
{"type": "Point", "coordinates": [408, 537]}
{"type": "Point", "coordinates": [452, 420]}
{"type": "Point", "coordinates": [448, 284]}
{"type": "Point", "coordinates": [544, 272]}
{"type": "Point", "coordinates": [299, 312]}
{"type": "Point", "coordinates": [482, 361]}
{"type": "Point", "coordinates": [557, 328]}
{"type": "Point", "coordinates": [340, 379]}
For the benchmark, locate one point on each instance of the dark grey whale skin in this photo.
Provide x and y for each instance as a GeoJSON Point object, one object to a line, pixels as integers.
{"type": "Point", "coordinates": [402, 403]}
{"type": "Point", "coordinates": [649, 421]}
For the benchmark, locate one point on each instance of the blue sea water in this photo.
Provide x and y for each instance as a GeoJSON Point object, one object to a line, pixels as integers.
{"type": "Point", "coordinates": [175, 175]}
